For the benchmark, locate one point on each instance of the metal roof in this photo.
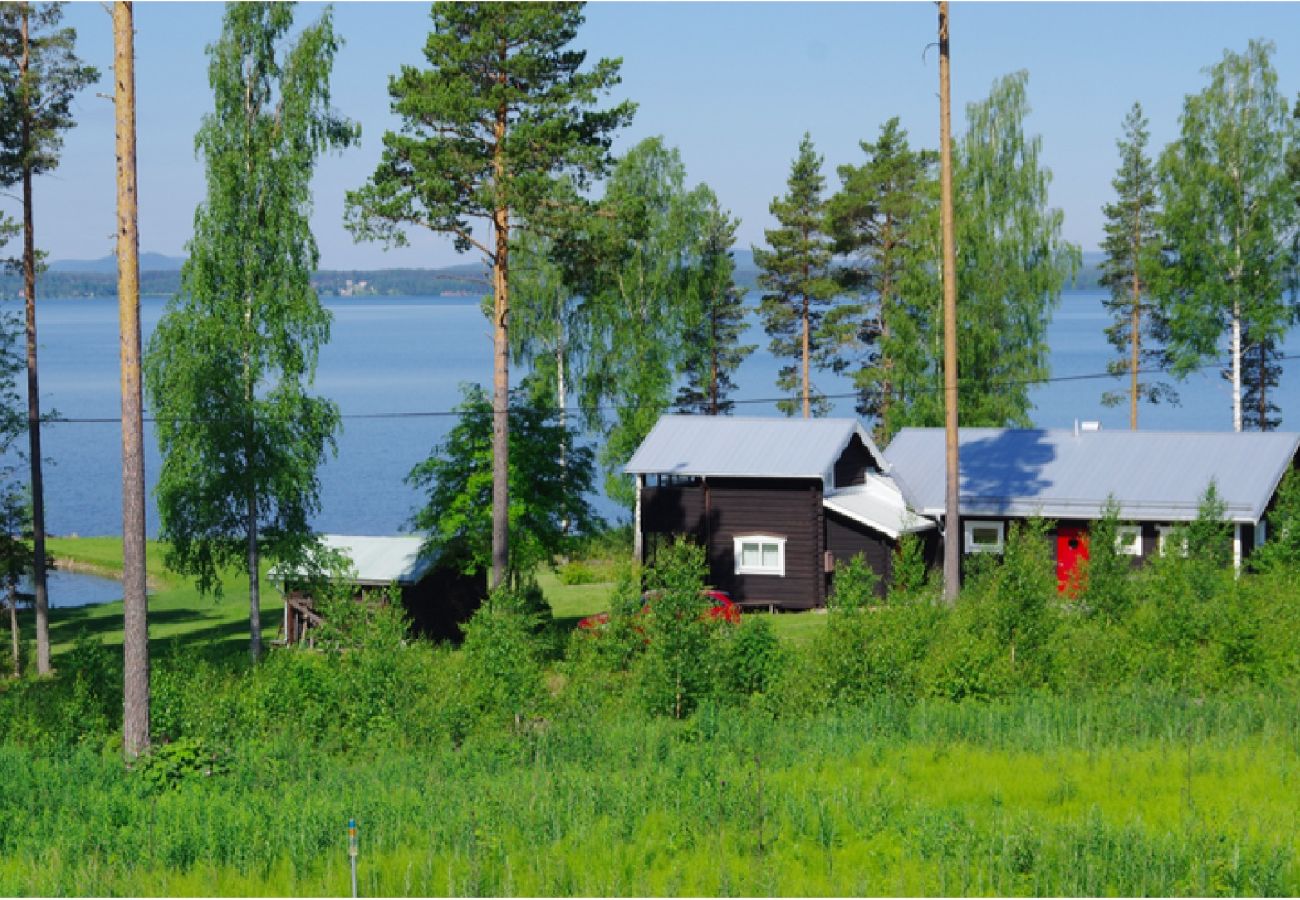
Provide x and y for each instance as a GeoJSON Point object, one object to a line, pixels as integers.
{"type": "Point", "coordinates": [378, 560]}
{"type": "Point", "coordinates": [746, 447]}
{"type": "Point", "coordinates": [1152, 475]}
{"type": "Point", "coordinates": [878, 504]}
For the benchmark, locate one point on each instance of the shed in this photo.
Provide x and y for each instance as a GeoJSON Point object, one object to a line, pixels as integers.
{"type": "Point", "coordinates": [437, 598]}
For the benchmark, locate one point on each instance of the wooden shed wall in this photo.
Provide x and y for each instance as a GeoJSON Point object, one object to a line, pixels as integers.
{"type": "Point", "coordinates": [846, 538]}
{"type": "Point", "coordinates": [854, 463]}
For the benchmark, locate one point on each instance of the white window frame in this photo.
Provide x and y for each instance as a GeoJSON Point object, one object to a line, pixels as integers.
{"type": "Point", "coordinates": [969, 526]}
{"type": "Point", "coordinates": [761, 539]}
{"type": "Point", "coordinates": [1133, 549]}
{"type": "Point", "coordinates": [1163, 533]}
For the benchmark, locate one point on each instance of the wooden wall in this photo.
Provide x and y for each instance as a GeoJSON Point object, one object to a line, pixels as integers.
{"type": "Point", "coordinates": [717, 511]}
{"type": "Point", "coordinates": [846, 538]}
{"type": "Point", "coordinates": [854, 463]}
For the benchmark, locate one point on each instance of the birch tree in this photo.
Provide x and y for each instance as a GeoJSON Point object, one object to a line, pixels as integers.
{"type": "Point", "coordinates": [1229, 216]}
{"type": "Point", "coordinates": [230, 365]}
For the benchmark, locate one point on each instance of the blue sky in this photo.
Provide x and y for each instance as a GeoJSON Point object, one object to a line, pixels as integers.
{"type": "Point", "coordinates": [732, 85]}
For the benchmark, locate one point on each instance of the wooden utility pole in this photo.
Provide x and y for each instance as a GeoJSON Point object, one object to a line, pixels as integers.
{"type": "Point", "coordinates": [135, 604]}
{"type": "Point", "coordinates": [952, 514]}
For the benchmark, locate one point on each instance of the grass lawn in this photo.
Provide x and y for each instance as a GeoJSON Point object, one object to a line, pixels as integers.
{"type": "Point", "coordinates": [176, 609]}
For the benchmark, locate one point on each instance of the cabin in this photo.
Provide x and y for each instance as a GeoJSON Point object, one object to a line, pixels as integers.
{"type": "Point", "coordinates": [1068, 476]}
{"type": "Point", "coordinates": [774, 502]}
{"type": "Point", "coordinates": [438, 598]}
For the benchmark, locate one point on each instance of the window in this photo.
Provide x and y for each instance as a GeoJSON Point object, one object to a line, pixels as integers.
{"type": "Point", "coordinates": [1166, 534]}
{"type": "Point", "coordinates": [984, 537]}
{"type": "Point", "coordinates": [1128, 540]}
{"type": "Point", "coordinates": [758, 554]}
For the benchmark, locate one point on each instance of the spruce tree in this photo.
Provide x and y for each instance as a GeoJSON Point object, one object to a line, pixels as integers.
{"type": "Point", "coordinates": [715, 317]}
{"type": "Point", "coordinates": [1229, 217]}
{"type": "Point", "coordinates": [795, 274]}
{"type": "Point", "coordinates": [1132, 248]}
{"type": "Point", "coordinates": [229, 366]}
{"type": "Point", "coordinates": [500, 130]}
{"type": "Point", "coordinates": [881, 222]}
{"type": "Point", "coordinates": [40, 75]}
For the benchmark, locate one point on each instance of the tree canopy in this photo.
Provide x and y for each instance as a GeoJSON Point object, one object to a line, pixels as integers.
{"type": "Point", "coordinates": [229, 366]}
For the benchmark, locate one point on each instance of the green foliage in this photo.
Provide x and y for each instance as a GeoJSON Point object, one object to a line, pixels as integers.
{"type": "Point", "coordinates": [1229, 211]}
{"type": "Point", "coordinates": [229, 366]}
{"type": "Point", "coordinates": [751, 658]}
{"type": "Point", "coordinates": [550, 479]}
{"type": "Point", "coordinates": [1281, 550]}
{"type": "Point", "coordinates": [853, 587]}
{"type": "Point", "coordinates": [371, 621]}
{"type": "Point", "coordinates": [714, 318]}
{"type": "Point", "coordinates": [794, 273]}
{"type": "Point", "coordinates": [440, 170]}
{"type": "Point", "coordinates": [1209, 536]}
{"type": "Point", "coordinates": [1011, 260]}
{"type": "Point", "coordinates": [642, 278]}
{"type": "Point", "coordinates": [1106, 575]}
{"type": "Point", "coordinates": [503, 657]}
{"type": "Point", "coordinates": [38, 101]}
{"type": "Point", "coordinates": [881, 221]}
{"type": "Point", "coordinates": [911, 576]}
{"type": "Point", "coordinates": [167, 765]}
{"type": "Point", "coordinates": [675, 669]}
{"type": "Point", "coordinates": [1132, 248]}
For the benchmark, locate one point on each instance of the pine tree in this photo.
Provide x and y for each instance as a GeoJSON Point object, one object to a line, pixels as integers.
{"type": "Point", "coordinates": [135, 603]}
{"type": "Point", "coordinates": [1229, 218]}
{"type": "Point", "coordinates": [501, 128]}
{"type": "Point", "coordinates": [795, 274]}
{"type": "Point", "coordinates": [1261, 373]}
{"type": "Point", "coordinates": [229, 366]}
{"type": "Point", "coordinates": [881, 220]}
{"type": "Point", "coordinates": [39, 77]}
{"type": "Point", "coordinates": [1132, 248]}
{"type": "Point", "coordinates": [715, 317]}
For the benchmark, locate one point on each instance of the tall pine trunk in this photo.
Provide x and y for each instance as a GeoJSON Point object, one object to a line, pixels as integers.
{"type": "Point", "coordinates": [33, 388]}
{"type": "Point", "coordinates": [500, 351]}
{"type": "Point", "coordinates": [135, 604]}
{"type": "Point", "coordinates": [807, 406]}
{"type": "Point", "coordinates": [952, 512]}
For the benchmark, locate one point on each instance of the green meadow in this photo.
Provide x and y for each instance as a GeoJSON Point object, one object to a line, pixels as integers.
{"type": "Point", "coordinates": [848, 765]}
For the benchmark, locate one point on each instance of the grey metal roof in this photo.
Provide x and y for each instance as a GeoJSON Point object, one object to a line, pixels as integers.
{"type": "Point", "coordinates": [879, 504]}
{"type": "Point", "coordinates": [749, 447]}
{"type": "Point", "coordinates": [1153, 475]}
{"type": "Point", "coordinates": [376, 560]}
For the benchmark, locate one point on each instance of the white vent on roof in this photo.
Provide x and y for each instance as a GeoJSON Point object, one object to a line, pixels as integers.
{"type": "Point", "coordinates": [1090, 426]}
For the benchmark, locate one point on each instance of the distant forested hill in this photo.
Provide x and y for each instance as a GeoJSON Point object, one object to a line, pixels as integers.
{"type": "Point", "coordinates": [160, 276]}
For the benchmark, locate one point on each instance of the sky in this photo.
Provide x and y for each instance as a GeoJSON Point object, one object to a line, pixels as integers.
{"type": "Point", "coordinates": [733, 86]}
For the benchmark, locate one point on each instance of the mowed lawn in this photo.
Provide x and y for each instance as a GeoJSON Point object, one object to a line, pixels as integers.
{"type": "Point", "coordinates": [177, 609]}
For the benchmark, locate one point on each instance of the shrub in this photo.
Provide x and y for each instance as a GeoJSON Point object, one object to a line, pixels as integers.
{"type": "Point", "coordinates": [751, 657]}
{"type": "Point", "coordinates": [676, 668]}
{"type": "Point", "coordinates": [503, 656]}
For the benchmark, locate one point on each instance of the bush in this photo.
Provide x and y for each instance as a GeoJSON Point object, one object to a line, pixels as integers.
{"type": "Point", "coordinates": [503, 655]}
{"type": "Point", "coordinates": [675, 670]}
{"type": "Point", "coordinates": [751, 657]}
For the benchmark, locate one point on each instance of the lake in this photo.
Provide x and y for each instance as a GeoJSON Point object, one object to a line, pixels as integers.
{"type": "Point", "coordinates": [410, 354]}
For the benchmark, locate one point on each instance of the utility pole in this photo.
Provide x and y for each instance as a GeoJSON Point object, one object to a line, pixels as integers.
{"type": "Point", "coordinates": [952, 514]}
{"type": "Point", "coordinates": [135, 603]}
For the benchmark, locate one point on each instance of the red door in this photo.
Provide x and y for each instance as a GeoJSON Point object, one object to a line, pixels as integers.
{"type": "Point", "coordinates": [1071, 549]}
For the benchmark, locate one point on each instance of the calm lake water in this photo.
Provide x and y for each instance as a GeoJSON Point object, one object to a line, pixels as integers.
{"type": "Point", "coordinates": [410, 354]}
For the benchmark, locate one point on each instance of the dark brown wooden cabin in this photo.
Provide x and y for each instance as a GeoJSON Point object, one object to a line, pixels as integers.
{"type": "Point", "coordinates": [775, 502]}
{"type": "Point", "coordinates": [437, 598]}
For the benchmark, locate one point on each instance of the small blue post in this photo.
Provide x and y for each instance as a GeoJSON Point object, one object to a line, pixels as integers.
{"type": "Point", "coordinates": [352, 852]}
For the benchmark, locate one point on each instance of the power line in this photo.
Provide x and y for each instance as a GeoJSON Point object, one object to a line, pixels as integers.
{"type": "Point", "coordinates": [611, 407]}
